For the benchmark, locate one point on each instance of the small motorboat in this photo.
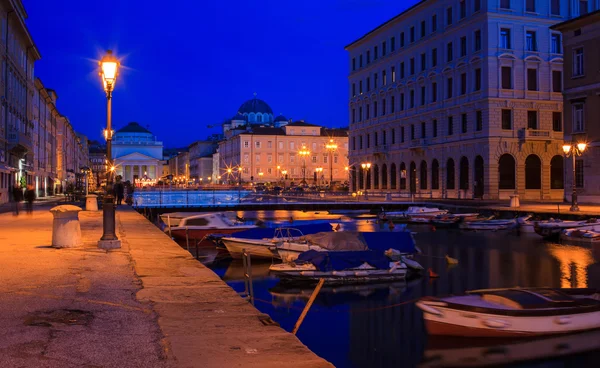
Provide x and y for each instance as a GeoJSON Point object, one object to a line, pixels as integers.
{"type": "Point", "coordinates": [413, 214]}
{"type": "Point", "coordinates": [512, 312]}
{"type": "Point", "coordinates": [582, 235]}
{"type": "Point", "coordinates": [451, 220]}
{"type": "Point", "coordinates": [551, 229]}
{"type": "Point", "coordinates": [343, 268]}
{"type": "Point", "coordinates": [198, 227]}
{"type": "Point", "coordinates": [493, 225]}
{"type": "Point", "coordinates": [173, 219]}
{"type": "Point", "coordinates": [526, 224]}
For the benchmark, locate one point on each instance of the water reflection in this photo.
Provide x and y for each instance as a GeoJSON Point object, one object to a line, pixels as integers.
{"type": "Point", "coordinates": [574, 262]}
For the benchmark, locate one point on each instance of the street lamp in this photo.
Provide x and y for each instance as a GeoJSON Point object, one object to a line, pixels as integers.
{"type": "Point", "coordinates": [260, 175]}
{"type": "Point", "coordinates": [109, 70]}
{"type": "Point", "coordinates": [573, 151]}
{"type": "Point", "coordinates": [304, 152]}
{"type": "Point", "coordinates": [85, 171]}
{"type": "Point", "coordinates": [366, 166]}
{"type": "Point", "coordinates": [331, 147]}
{"type": "Point", "coordinates": [319, 170]}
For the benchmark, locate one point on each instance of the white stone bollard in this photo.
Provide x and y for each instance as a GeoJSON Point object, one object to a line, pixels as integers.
{"type": "Point", "coordinates": [514, 201]}
{"type": "Point", "coordinates": [91, 202]}
{"type": "Point", "coordinates": [66, 231]}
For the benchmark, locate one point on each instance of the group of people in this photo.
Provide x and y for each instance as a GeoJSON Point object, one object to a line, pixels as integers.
{"type": "Point", "coordinates": [19, 195]}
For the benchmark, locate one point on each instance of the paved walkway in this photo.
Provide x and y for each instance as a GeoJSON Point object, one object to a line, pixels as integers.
{"type": "Point", "coordinates": [149, 304]}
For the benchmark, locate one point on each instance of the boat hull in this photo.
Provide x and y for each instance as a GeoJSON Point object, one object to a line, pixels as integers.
{"type": "Point", "coordinates": [256, 249]}
{"type": "Point", "coordinates": [201, 233]}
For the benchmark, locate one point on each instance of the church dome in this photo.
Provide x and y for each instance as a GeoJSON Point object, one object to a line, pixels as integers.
{"type": "Point", "coordinates": [255, 106]}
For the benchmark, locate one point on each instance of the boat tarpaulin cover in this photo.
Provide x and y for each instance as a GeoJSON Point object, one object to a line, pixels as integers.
{"type": "Point", "coordinates": [399, 240]}
{"type": "Point", "coordinates": [268, 233]}
{"type": "Point", "coordinates": [338, 261]}
{"type": "Point", "coordinates": [338, 241]}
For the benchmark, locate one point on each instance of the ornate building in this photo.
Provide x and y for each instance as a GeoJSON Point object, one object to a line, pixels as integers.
{"type": "Point", "coordinates": [461, 99]}
{"type": "Point", "coordinates": [136, 153]}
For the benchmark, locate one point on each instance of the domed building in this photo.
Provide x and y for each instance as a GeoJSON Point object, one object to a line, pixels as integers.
{"type": "Point", "coordinates": [254, 112]}
{"type": "Point", "coordinates": [137, 153]}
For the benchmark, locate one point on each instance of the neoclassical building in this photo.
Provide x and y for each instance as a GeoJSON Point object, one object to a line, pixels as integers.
{"type": "Point", "coordinates": [137, 153]}
{"type": "Point", "coordinates": [461, 99]}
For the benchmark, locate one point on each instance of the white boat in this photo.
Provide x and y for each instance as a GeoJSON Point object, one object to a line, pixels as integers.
{"type": "Point", "coordinates": [173, 219]}
{"type": "Point", "coordinates": [199, 226]}
{"type": "Point", "coordinates": [526, 225]}
{"type": "Point", "coordinates": [552, 228]}
{"type": "Point", "coordinates": [512, 312]}
{"type": "Point", "coordinates": [261, 248]}
{"type": "Point", "coordinates": [582, 235]}
{"type": "Point", "coordinates": [289, 250]}
{"type": "Point", "coordinates": [413, 214]}
{"type": "Point", "coordinates": [493, 225]}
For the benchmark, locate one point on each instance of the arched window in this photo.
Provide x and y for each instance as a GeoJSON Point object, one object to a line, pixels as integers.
{"type": "Point", "coordinates": [259, 118]}
{"type": "Point", "coordinates": [423, 182]}
{"type": "Point", "coordinates": [533, 172]}
{"type": "Point", "coordinates": [402, 176]}
{"type": "Point", "coordinates": [413, 177]}
{"type": "Point", "coordinates": [464, 173]}
{"type": "Point", "coordinates": [557, 180]}
{"type": "Point", "coordinates": [384, 176]}
{"type": "Point", "coordinates": [394, 176]}
{"type": "Point", "coordinates": [450, 174]}
{"type": "Point", "coordinates": [435, 175]}
{"type": "Point", "coordinates": [375, 177]}
{"type": "Point", "coordinates": [506, 172]}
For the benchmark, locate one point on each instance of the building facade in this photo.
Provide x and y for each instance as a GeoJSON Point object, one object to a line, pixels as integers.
{"type": "Point", "coordinates": [581, 41]}
{"type": "Point", "coordinates": [201, 160]}
{"type": "Point", "coordinates": [137, 154]}
{"type": "Point", "coordinates": [461, 99]}
{"type": "Point", "coordinates": [98, 164]}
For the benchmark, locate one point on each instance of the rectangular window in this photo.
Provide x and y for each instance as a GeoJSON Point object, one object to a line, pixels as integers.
{"type": "Point", "coordinates": [393, 136]}
{"type": "Point", "coordinates": [434, 128]}
{"type": "Point", "coordinates": [368, 112]}
{"type": "Point", "coordinates": [401, 134]}
{"type": "Point", "coordinates": [556, 81]}
{"type": "Point", "coordinates": [375, 81]}
{"type": "Point", "coordinates": [383, 48]}
{"type": "Point", "coordinates": [449, 88]}
{"type": "Point", "coordinates": [478, 120]}
{"type": "Point", "coordinates": [449, 55]}
{"type": "Point", "coordinates": [477, 37]}
{"type": "Point", "coordinates": [246, 144]}
{"type": "Point", "coordinates": [412, 34]}
{"type": "Point", "coordinates": [412, 131]}
{"type": "Point", "coordinates": [463, 83]}
{"type": "Point", "coordinates": [393, 44]}
{"type": "Point", "coordinates": [530, 5]}
{"type": "Point", "coordinates": [583, 7]}
{"type": "Point", "coordinates": [393, 104]}
{"type": "Point", "coordinates": [402, 70]}
{"type": "Point", "coordinates": [374, 109]}
{"type": "Point", "coordinates": [463, 123]}
{"type": "Point", "coordinates": [434, 92]}
{"type": "Point", "coordinates": [463, 46]}
{"type": "Point", "coordinates": [555, 7]}
{"type": "Point", "coordinates": [530, 41]}
{"type": "Point", "coordinates": [423, 29]}
{"type": "Point", "coordinates": [450, 125]}
{"type": "Point", "coordinates": [368, 140]}
{"type": "Point", "coordinates": [578, 67]}
{"type": "Point", "coordinates": [506, 77]}
{"type": "Point", "coordinates": [360, 142]}
{"type": "Point", "coordinates": [375, 53]}
{"type": "Point", "coordinates": [463, 9]}
{"type": "Point", "coordinates": [384, 136]}
{"type": "Point", "coordinates": [578, 120]}
{"type": "Point", "coordinates": [360, 87]}
{"type": "Point", "coordinates": [368, 57]}
{"type": "Point", "coordinates": [506, 119]}
{"type": "Point", "coordinates": [257, 158]}
{"type": "Point", "coordinates": [476, 5]}
{"type": "Point", "coordinates": [505, 4]}
{"type": "Point", "coordinates": [412, 98]}
{"type": "Point", "coordinates": [353, 64]}
{"type": "Point", "coordinates": [360, 58]}
{"type": "Point", "coordinates": [402, 39]}
{"type": "Point", "coordinates": [434, 23]}
{"type": "Point", "coordinates": [423, 131]}
{"type": "Point", "coordinates": [375, 139]}
{"type": "Point", "coordinates": [505, 41]}
{"type": "Point", "coordinates": [532, 79]}
{"type": "Point", "coordinates": [368, 84]}
{"type": "Point", "coordinates": [383, 77]}
{"type": "Point", "coordinates": [360, 114]}
{"type": "Point", "coordinates": [532, 119]}
{"type": "Point", "coordinates": [383, 103]}
{"type": "Point", "coordinates": [556, 44]}
{"type": "Point", "coordinates": [449, 16]}
{"type": "Point", "coordinates": [353, 89]}
{"type": "Point", "coordinates": [478, 79]}
{"type": "Point", "coordinates": [423, 62]}
{"type": "Point", "coordinates": [402, 102]}
{"type": "Point", "coordinates": [353, 145]}
{"type": "Point", "coordinates": [422, 95]}
{"type": "Point", "coordinates": [412, 66]}
{"type": "Point", "coordinates": [353, 116]}
{"type": "Point", "coordinates": [557, 121]}
{"type": "Point", "coordinates": [393, 71]}
{"type": "Point", "coordinates": [579, 173]}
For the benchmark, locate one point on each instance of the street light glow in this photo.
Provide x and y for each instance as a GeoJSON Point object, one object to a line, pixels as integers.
{"type": "Point", "coordinates": [581, 146]}
{"type": "Point", "coordinates": [566, 148]}
{"type": "Point", "coordinates": [109, 66]}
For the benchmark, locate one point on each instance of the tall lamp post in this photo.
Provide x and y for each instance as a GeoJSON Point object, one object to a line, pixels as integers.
{"type": "Point", "coordinates": [574, 150]}
{"type": "Point", "coordinates": [239, 184]}
{"type": "Point", "coordinates": [331, 147]}
{"type": "Point", "coordinates": [319, 171]}
{"type": "Point", "coordinates": [109, 67]}
{"type": "Point", "coordinates": [304, 152]}
{"type": "Point", "coordinates": [283, 174]}
{"type": "Point", "coordinates": [366, 166]}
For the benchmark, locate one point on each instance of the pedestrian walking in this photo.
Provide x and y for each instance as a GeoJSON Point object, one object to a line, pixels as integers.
{"type": "Point", "coordinates": [29, 198]}
{"type": "Point", "coordinates": [119, 192]}
{"type": "Point", "coordinates": [17, 198]}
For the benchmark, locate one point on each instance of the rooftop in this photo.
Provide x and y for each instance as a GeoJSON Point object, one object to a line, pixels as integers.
{"type": "Point", "coordinates": [133, 127]}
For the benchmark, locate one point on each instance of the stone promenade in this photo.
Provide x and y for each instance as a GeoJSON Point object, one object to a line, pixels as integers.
{"type": "Point", "coordinates": [149, 304]}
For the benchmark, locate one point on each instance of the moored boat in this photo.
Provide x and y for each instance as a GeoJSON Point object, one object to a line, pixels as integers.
{"type": "Point", "coordinates": [451, 220]}
{"type": "Point", "coordinates": [493, 225]}
{"type": "Point", "coordinates": [551, 229]}
{"type": "Point", "coordinates": [582, 235]}
{"type": "Point", "coordinates": [512, 312]}
{"type": "Point", "coordinates": [413, 214]}
{"type": "Point", "coordinates": [198, 227]}
{"type": "Point", "coordinates": [172, 219]}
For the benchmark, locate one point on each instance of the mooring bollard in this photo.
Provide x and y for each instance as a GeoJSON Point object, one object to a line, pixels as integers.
{"type": "Point", "coordinates": [66, 231]}
{"type": "Point", "coordinates": [91, 202]}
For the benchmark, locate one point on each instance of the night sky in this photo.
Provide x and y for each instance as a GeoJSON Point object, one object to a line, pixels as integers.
{"type": "Point", "coordinates": [189, 64]}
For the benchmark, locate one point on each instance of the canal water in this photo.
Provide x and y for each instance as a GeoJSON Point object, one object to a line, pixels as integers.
{"type": "Point", "coordinates": [380, 326]}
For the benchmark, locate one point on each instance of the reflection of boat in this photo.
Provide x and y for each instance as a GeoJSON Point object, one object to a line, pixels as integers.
{"type": "Point", "coordinates": [199, 226]}
{"type": "Point", "coordinates": [512, 312]}
{"type": "Point", "coordinates": [584, 234]}
{"type": "Point", "coordinates": [349, 213]}
{"type": "Point", "coordinates": [413, 214]}
{"type": "Point", "coordinates": [464, 352]}
{"type": "Point", "coordinates": [235, 271]}
{"type": "Point", "coordinates": [493, 225]}
{"type": "Point", "coordinates": [551, 229]}
{"type": "Point", "coordinates": [342, 267]}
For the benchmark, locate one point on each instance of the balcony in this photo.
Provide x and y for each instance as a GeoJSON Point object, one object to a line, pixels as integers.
{"type": "Point", "coordinates": [19, 142]}
{"type": "Point", "coordinates": [538, 135]}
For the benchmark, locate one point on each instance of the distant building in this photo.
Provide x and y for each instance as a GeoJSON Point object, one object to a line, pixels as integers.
{"type": "Point", "coordinates": [137, 153]}
{"type": "Point", "coordinates": [201, 160]}
{"type": "Point", "coordinates": [461, 99]}
{"type": "Point", "coordinates": [98, 163]}
{"type": "Point", "coordinates": [581, 41]}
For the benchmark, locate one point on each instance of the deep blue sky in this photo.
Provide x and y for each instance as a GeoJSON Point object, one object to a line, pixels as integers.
{"type": "Point", "coordinates": [191, 63]}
